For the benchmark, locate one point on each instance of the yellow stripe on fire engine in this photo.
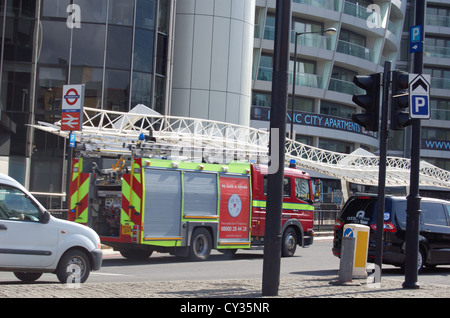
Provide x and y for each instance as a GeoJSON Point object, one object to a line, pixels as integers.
{"type": "Point", "coordinates": [286, 205]}
{"type": "Point", "coordinates": [134, 200]}
{"type": "Point", "coordinates": [78, 196]}
{"type": "Point", "coordinates": [163, 241]}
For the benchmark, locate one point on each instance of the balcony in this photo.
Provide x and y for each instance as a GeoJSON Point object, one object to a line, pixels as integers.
{"type": "Point", "coordinates": [437, 20]}
{"type": "Point", "coordinates": [306, 79]}
{"type": "Point", "coordinates": [334, 5]}
{"type": "Point", "coordinates": [356, 51]}
{"type": "Point", "coordinates": [344, 87]}
{"type": "Point", "coordinates": [440, 114]}
{"type": "Point", "coordinates": [302, 79]}
{"type": "Point", "coordinates": [440, 83]}
{"type": "Point", "coordinates": [310, 40]}
{"type": "Point", "coordinates": [437, 51]}
{"type": "Point", "coordinates": [361, 12]}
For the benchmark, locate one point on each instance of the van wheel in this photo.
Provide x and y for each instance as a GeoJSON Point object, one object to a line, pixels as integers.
{"type": "Point", "coordinates": [27, 276]}
{"type": "Point", "coordinates": [201, 243]}
{"type": "Point", "coordinates": [73, 267]}
{"type": "Point", "coordinates": [289, 242]}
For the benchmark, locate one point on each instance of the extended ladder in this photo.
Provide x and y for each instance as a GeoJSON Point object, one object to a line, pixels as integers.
{"type": "Point", "coordinates": [143, 132]}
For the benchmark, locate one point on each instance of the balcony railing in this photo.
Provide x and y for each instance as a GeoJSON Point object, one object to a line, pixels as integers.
{"type": "Point", "coordinates": [311, 40]}
{"type": "Point", "coordinates": [265, 74]}
{"type": "Point", "coordinates": [437, 51]}
{"type": "Point", "coordinates": [440, 114]}
{"type": "Point", "coordinates": [361, 12]}
{"type": "Point", "coordinates": [306, 79]}
{"type": "Point", "coordinates": [438, 20]}
{"type": "Point", "coordinates": [356, 50]}
{"type": "Point", "coordinates": [345, 87]}
{"type": "Point", "coordinates": [302, 79]}
{"type": "Point", "coordinates": [334, 5]}
{"type": "Point", "coordinates": [440, 83]}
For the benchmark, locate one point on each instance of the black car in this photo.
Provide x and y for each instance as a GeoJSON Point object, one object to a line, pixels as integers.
{"type": "Point", "coordinates": [434, 239]}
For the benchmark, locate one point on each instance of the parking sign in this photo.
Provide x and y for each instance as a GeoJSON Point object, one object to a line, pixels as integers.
{"type": "Point", "coordinates": [419, 96]}
{"type": "Point", "coordinates": [415, 39]}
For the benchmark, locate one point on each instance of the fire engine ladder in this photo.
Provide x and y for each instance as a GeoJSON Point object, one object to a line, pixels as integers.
{"type": "Point", "coordinates": [145, 132]}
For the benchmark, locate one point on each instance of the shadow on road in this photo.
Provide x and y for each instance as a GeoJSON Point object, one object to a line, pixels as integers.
{"type": "Point", "coordinates": [162, 258]}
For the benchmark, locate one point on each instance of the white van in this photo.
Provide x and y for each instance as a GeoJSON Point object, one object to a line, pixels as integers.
{"type": "Point", "coordinates": [33, 242]}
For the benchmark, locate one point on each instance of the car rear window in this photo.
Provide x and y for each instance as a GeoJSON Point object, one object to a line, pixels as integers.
{"type": "Point", "coordinates": [359, 210]}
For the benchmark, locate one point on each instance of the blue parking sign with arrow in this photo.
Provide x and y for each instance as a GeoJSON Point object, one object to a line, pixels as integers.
{"type": "Point", "coordinates": [415, 39]}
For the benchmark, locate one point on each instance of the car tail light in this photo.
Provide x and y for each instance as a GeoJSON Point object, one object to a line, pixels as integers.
{"type": "Point", "coordinates": [388, 227]}
{"type": "Point", "coordinates": [338, 224]}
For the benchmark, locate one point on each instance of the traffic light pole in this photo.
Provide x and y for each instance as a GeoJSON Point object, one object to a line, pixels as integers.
{"type": "Point", "coordinates": [382, 171]}
{"type": "Point", "coordinates": [272, 237]}
{"type": "Point", "coordinates": [413, 209]}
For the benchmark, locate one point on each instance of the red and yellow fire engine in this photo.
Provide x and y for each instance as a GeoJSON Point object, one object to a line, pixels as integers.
{"type": "Point", "coordinates": [141, 205]}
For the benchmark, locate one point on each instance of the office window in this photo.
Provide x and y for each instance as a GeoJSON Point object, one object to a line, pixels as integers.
{"type": "Point", "coordinates": [118, 47]}
{"type": "Point", "coordinates": [91, 11]}
{"type": "Point", "coordinates": [142, 89]}
{"type": "Point", "coordinates": [117, 89]}
{"type": "Point", "coordinates": [121, 12]}
{"type": "Point", "coordinates": [88, 45]}
{"type": "Point", "coordinates": [145, 14]}
{"type": "Point", "coordinates": [55, 8]}
{"type": "Point", "coordinates": [143, 50]}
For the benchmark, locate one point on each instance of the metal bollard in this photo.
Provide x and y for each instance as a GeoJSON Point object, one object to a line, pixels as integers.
{"type": "Point", "coordinates": [346, 262]}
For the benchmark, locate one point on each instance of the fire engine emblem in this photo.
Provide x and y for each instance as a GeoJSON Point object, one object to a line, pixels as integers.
{"type": "Point", "coordinates": [234, 205]}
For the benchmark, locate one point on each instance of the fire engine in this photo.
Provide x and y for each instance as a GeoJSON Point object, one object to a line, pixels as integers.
{"type": "Point", "coordinates": [139, 205]}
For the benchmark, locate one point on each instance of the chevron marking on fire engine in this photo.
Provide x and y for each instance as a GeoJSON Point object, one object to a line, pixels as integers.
{"type": "Point", "coordinates": [79, 189]}
{"type": "Point", "coordinates": [131, 195]}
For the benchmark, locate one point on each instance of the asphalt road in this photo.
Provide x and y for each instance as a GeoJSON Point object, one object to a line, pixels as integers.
{"type": "Point", "coordinates": [316, 260]}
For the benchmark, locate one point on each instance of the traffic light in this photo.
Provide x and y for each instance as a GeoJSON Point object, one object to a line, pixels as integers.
{"type": "Point", "coordinates": [400, 101]}
{"type": "Point", "coordinates": [370, 101]}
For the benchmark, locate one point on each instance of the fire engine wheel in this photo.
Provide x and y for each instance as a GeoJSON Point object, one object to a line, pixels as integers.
{"type": "Point", "coordinates": [289, 242]}
{"type": "Point", "coordinates": [201, 243]}
{"type": "Point", "coordinates": [73, 267]}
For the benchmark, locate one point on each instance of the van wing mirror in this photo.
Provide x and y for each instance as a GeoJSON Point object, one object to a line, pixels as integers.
{"type": "Point", "coordinates": [45, 217]}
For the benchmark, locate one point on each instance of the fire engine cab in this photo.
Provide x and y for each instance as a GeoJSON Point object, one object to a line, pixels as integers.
{"type": "Point", "coordinates": [141, 205]}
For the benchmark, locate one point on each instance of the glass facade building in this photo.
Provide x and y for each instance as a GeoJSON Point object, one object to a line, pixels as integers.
{"type": "Point", "coordinates": [117, 48]}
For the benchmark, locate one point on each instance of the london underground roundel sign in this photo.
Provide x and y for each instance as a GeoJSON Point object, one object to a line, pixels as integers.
{"type": "Point", "coordinates": [72, 108]}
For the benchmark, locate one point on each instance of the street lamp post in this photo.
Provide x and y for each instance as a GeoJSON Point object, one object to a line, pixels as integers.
{"type": "Point", "coordinates": [328, 31]}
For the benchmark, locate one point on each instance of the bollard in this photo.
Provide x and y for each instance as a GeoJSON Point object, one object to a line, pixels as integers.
{"type": "Point", "coordinates": [361, 235]}
{"type": "Point", "coordinates": [354, 249]}
{"type": "Point", "coordinates": [346, 262]}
